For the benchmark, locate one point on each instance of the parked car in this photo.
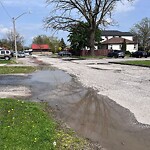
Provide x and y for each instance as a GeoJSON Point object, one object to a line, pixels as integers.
{"type": "Point", "coordinates": [148, 53]}
{"type": "Point", "coordinates": [116, 54]}
{"type": "Point", "coordinates": [5, 54]}
{"type": "Point", "coordinates": [139, 54]}
{"type": "Point", "coordinates": [20, 54]}
{"type": "Point", "coordinates": [27, 53]}
{"type": "Point", "coordinates": [64, 53]}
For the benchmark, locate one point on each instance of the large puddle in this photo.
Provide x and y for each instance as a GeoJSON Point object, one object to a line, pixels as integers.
{"type": "Point", "coordinates": [93, 116]}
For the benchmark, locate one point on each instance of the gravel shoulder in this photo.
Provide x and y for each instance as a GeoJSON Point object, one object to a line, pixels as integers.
{"type": "Point", "coordinates": [14, 91]}
{"type": "Point", "coordinates": [128, 86]}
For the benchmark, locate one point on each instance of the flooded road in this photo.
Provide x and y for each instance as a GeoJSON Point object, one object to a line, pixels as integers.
{"type": "Point", "coordinates": [93, 116]}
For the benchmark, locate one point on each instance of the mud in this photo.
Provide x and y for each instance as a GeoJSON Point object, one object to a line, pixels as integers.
{"type": "Point", "coordinates": [93, 116]}
{"type": "Point", "coordinates": [98, 118]}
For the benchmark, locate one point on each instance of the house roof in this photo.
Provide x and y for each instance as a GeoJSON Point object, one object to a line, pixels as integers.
{"type": "Point", "coordinates": [115, 33]}
{"type": "Point", "coordinates": [40, 46]}
{"type": "Point", "coordinates": [117, 40]}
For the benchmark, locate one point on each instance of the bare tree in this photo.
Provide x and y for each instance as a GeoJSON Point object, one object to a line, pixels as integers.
{"type": "Point", "coordinates": [141, 31]}
{"type": "Point", "coordinates": [67, 12]}
{"type": "Point", "coordinates": [19, 39]}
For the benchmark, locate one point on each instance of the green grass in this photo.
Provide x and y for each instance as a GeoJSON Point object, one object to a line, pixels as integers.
{"type": "Point", "coordinates": [16, 69]}
{"type": "Point", "coordinates": [7, 62]}
{"type": "Point", "coordinates": [24, 126]}
{"type": "Point", "coordinates": [137, 62]}
{"type": "Point", "coordinates": [27, 126]}
{"type": "Point", "coordinates": [91, 57]}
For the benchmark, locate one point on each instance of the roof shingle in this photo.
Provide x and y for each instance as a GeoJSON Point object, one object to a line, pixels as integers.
{"type": "Point", "coordinates": [115, 33]}
{"type": "Point", "coordinates": [117, 40]}
{"type": "Point", "coordinates": [40, 46]}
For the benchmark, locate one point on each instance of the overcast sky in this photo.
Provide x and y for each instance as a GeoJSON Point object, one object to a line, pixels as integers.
{"type": "Point", "coordinates": [31, 25]}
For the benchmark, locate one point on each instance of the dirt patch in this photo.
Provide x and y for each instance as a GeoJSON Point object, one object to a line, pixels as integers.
{"type": "Point", "coordinates": [14, 91]}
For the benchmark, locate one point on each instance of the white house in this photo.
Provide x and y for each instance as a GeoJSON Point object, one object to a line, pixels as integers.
{"type": "Point", "coordinates": [113, 39]}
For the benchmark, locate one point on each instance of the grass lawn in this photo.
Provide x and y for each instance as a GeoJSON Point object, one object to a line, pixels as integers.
{"type": "Point", "coordinates": [16, 69]}
{"type": "Point", "coordinates": [7, 61]}
{"type": "Point", "coordinates": [91, 57]}
{"type": "Point", "coordinates": [27, 126]}
{"type": "Point", "coordinates": [145, 63]}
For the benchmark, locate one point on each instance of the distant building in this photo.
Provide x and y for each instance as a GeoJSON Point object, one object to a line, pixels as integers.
{"type": "Point", "coordinates": [113, 39]}
{"type": "Point", "coordinates": [40, 48]}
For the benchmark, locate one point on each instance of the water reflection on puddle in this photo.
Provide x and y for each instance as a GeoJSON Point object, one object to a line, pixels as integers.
{"type": "Point", "coordinates": [41, 83]}
{"type": "Point", "coordinates": [99, 118]}
{"type": "Point", "coordinates": [52, 77]}
{"type": "Point", "coordinates": [93, 116]}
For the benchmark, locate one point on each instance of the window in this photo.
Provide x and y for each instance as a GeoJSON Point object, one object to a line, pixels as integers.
{"type": "Point", "coordinates": [2, 52]}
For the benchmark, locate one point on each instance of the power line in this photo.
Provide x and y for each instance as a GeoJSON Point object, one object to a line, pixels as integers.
{"type": "Point", "coordinates": [5, 10]}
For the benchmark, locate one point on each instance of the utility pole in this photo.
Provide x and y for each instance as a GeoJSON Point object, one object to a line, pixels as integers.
{"type": "Point", "coordinates": [14, 28]}
{"type": "Point", "coordinates": [15, 40]}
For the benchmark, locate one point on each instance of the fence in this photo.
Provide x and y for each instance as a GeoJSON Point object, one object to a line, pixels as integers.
{"type": "Point", "coordinates": [99, 52]}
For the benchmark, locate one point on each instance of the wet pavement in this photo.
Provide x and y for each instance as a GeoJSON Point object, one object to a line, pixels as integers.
{"type": "Point", "coordinates": [93, 116]}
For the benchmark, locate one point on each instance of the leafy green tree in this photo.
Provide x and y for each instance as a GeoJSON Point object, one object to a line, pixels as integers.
{"type": "Point", "coordinates": [41, 39]}
{"type": "Point", "coordinates": [141, 31]}
{"type": "Point", "coordinates": [53, 42]}
{"type": "Point", "coordinates": [62, 44]}
{"type": "Point", "coordinates": [79, 37]}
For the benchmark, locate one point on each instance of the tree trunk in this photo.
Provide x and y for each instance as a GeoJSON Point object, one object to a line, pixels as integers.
{"type": "Point", "coordinates": [92, 41]}
{"type": "Point", "coordinates": [144, 44]}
